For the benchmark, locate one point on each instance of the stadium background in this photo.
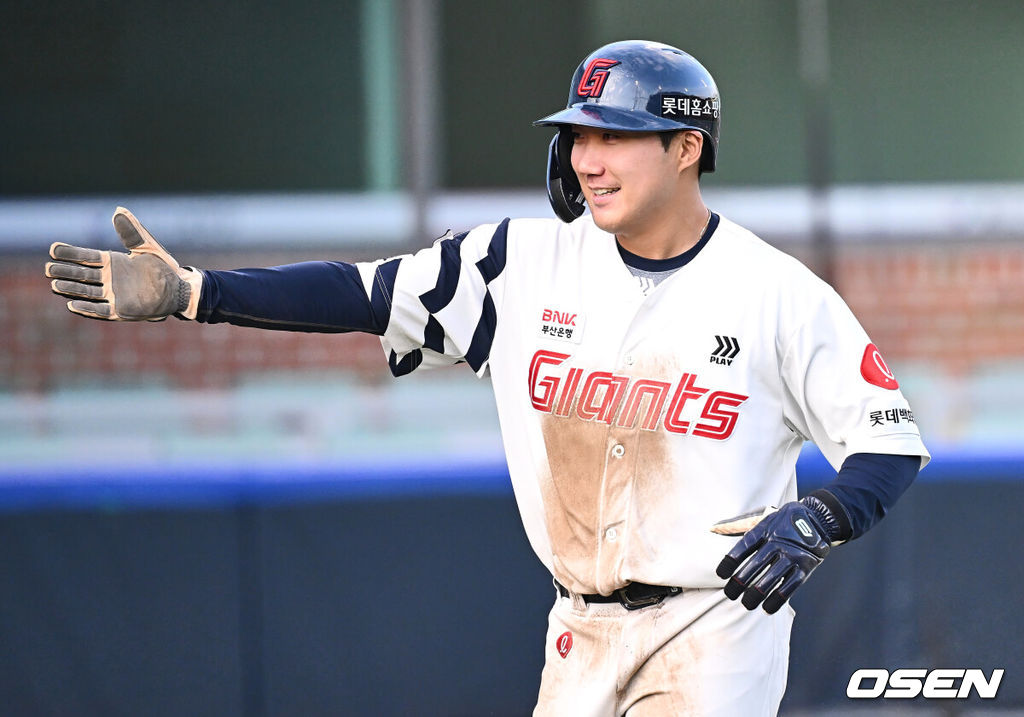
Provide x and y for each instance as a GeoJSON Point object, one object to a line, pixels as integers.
{"type": "Point", "coordinates": [214, 520]}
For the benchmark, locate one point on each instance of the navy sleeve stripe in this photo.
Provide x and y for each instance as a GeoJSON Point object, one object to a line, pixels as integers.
{"type": "Point", "coordinates": [494, 263]}
{"type": "Point", "coordinates": [443, 292]}
{"type": "Point", "coordinates": [433, 335]}
{"type": "Point", "coordinates": [407, 365]}
{"type": "Point", "coordinates": [490, 267]}
{"type": "Point", "coordinates": [480, 347]}
{"type": "Point", "coordinates": [383, 291]}
{"type": "Point", "coordinates": [448, 276]}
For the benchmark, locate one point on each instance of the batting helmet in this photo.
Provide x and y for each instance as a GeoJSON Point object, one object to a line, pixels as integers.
{"type": "Point", "coordinates": [631, 86]}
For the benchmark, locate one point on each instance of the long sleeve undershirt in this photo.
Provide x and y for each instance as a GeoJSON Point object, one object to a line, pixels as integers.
{"type": "Point", "coordinates": [314, 296]}
{"type": "Point", "coordinates": [867, 486]}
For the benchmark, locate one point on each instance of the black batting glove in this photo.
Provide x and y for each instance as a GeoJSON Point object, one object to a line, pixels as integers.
{"type": "Point", "coordinates": [778, 553]}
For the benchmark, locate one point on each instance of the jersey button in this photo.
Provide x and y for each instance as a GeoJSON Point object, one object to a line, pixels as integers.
{"type": "Point", "coordinates": [612, 534]}
{"type": "Point", "coordinates": [629, 359]}
{"type": "Point", "coordinates": [618, 450]}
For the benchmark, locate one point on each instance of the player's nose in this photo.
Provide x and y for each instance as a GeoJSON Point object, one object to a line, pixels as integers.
{"type": "Point", "coordinates": [586, 158]}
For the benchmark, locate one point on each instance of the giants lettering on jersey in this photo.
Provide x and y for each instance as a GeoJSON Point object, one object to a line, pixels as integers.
{"type": "Point", "coordinates": [605, 397]}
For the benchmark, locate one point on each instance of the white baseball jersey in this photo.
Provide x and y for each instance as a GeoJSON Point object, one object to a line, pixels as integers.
{"type": "Point", "coordinates": [632, 421]}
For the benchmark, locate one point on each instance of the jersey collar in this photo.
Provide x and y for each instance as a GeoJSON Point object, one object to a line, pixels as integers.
{"type": "Point", "coordinates": [674, 262]}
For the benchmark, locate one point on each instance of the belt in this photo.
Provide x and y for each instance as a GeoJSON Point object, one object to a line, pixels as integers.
{"type": "Point", "coordinates": [632, 597]}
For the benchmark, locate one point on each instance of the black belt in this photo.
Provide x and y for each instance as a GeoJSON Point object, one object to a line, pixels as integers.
{"type": "Point", "coordinates": [632, 597]}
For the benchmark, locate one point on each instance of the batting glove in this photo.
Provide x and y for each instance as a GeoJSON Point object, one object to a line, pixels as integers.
{"type": "Point", "coordinates": [784, 547]}
{"type": "Point", "coordinates": [146, 284]}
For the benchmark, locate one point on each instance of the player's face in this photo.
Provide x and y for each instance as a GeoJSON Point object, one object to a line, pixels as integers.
{"type": "Point", "coordinates": [629, 181]}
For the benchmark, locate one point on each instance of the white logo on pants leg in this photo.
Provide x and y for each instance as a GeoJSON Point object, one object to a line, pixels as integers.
{"type": "Point", "coordinates": [931, 684]}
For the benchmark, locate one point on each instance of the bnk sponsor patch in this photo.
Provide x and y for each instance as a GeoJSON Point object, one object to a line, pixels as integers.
{"type": "Point", "coordinates": [563, 325]}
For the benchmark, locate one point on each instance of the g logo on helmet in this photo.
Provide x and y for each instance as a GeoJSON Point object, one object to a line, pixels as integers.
{"type": "Point", "coordinates": [594, 77]}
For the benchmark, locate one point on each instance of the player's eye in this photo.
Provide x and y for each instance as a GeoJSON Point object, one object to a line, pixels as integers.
{"type": "Point", "coordinates": [609, 136]}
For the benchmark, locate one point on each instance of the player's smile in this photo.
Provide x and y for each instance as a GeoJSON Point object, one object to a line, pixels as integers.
{"type": "Point", "coordinates": [601, 196]}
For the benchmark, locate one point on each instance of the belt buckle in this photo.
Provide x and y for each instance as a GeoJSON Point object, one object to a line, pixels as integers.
{"type": "Point", "coordinates": [642, 602]}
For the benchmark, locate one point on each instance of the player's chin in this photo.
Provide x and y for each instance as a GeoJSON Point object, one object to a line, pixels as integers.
{"type": "Point", "coordinates": [606, 218]}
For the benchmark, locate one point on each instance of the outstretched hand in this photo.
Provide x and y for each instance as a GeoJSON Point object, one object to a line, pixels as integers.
{"type": "Point", "coordinates": [145, 284]}
{"type": "Point", "coordinates": [780, 551]}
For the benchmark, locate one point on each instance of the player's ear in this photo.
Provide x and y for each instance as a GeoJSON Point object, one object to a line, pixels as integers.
{"type": "Point", "coordinates": [690, 146]}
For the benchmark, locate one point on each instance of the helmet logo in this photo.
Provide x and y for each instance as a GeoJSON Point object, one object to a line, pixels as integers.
{"type": "Point", "coordinates": [592, 82]}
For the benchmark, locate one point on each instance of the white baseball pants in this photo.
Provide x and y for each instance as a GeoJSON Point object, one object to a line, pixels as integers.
{"type": "Point", "coordinates": [697, 654]}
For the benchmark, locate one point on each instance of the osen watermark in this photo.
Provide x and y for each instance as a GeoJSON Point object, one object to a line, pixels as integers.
{"type": "Point", "coordinates": [907, 683]}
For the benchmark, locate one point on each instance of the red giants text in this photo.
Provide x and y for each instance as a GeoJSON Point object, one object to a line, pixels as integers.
{"type": "Point", "coordinates": [608, 398]}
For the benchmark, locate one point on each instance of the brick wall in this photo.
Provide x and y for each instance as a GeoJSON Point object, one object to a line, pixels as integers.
{"type": "Point", "coordinates": [952, 307]}
{"type": "Point", "coordinates": [45, 346]}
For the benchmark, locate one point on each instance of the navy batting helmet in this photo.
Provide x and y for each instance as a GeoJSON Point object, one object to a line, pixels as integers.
{"type": "Point", "coordinates": [631, 86]}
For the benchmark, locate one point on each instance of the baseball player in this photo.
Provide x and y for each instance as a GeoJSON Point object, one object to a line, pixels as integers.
{"type": "Point", "coordinates": [656, 369]}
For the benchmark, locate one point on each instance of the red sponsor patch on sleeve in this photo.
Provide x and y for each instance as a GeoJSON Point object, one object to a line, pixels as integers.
{"type": "Point", "coordinates": [875, 371]}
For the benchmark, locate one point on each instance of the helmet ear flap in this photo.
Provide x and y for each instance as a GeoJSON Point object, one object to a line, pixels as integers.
{"type": "Point", "coordinates": [564, 190]}
{"type": "Point", "coordinates": [708, 155]}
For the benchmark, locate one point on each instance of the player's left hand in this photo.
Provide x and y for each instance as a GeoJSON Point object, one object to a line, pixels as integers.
{"type": "Point", "coordinates": [783, 548]}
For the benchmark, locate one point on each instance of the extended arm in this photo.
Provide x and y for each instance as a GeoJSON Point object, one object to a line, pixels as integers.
{"type": "Point", "coordinates": [435, 307]}
{"type": "Point", "coordinates": [147, 284]}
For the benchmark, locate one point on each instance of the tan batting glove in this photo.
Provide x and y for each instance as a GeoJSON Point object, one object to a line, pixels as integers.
{"type": "Point", "coordinates": [146, 284]}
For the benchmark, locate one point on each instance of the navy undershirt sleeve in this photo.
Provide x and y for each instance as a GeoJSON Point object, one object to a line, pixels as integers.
{"type": "Point", "coordinates": [867, 486]}
{"type": "Point", "coordinates": [315, 296]}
